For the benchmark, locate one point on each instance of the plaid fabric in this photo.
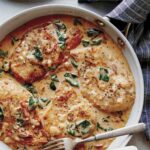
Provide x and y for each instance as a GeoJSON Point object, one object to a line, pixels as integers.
{"type": "Point", "coordinates": [138, 13]}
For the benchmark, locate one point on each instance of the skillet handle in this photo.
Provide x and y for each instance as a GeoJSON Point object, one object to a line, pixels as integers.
{"type": "Point", "coordinates": [126, 28]}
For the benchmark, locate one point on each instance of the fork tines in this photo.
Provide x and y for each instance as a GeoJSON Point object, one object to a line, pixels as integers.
{"type": "Point", "coordinates": [54, 145]}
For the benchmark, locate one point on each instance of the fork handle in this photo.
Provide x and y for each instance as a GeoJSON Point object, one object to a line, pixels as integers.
{"type": "Point", "coordinates": [117, 132]}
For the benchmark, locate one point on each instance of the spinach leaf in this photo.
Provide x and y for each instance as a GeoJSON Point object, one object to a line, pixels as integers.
{"type": "Point", "coordinates": [32, 103]}
{"type": "Point", "coordinates": [103, 74]}
{"type": "Point", "coordinates": [20, 122]}
{"type": "Point", "coordinates": [52, 68]}
{"type": "Point", "coordinates": [52, 86]}
{"type": "Point", "coordinates": [3, 54]}
{"type": "Point", "coordinates": [30, 88]}
{"type": "Point", "coordinates": [74, 63]}
{"type": "Point", "coordinates": [71, 132]}
{"type": "Point", "coordinates": [6, 65]}
{"type": "Point", "coordinates": [71, 79]}
{"type": "Point", "coordinates": [38, 54]}
{"type": "Point", "coordinates": [42, 102]}
{"type": "Point", "coordinates": [96, 41]}
{"type": "Point", "coordinates": [54, 78]}
{"type": "Point", "coordinates": [61, 40]}
{"type": "Point", "coordinates": [84, 124]}
{"type": "Point", "coordinates": [93, 32]}
{"type": "Point", "coordinates": [85, 43]}
{"type": "Point", "coordinates": [79, 129]}
{"type": "Point", "coordinates": [60, 25]}
{"type": "Point", "coordinates": [1, 114]}
{"type": "Point", "coordinates": [98, 126]}
{"type": "Point", "coordinates": [1, 71]}
{"type": "Point", "coordinates": [70, 75]}
{"type": "Point", "coordinates": [14, 40]}
{"type": "Point", "coordinates": [77, 21]}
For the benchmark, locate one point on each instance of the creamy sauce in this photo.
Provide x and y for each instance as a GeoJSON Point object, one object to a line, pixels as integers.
{"type": "Point", "coordinates": [72, 79]}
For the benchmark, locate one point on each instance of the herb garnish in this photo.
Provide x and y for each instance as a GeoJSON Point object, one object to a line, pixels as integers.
{"type": "Point", "coordinates": [61, 40]}
{"type": "Point", "coordinates": [74, 63]}
{"type": "Point", "coordinates": [85, 43]}
{"type": "Point", "coordinates": [96, 41]}
{"type": "Point", "coordinates": [6, 65]}
{"type": "Point", "coordinates": [14, 40]}
{"type": "Point", "coordinates": [53, 86]}
{"type": "Point", "coordinates": [1, 114]}
{"type": "Point", "coordinates": [3, 54]}
{"type": "Point", "coordinates": [92, 32]}
{"type": "Point", "coordinates": [30, 88]}
{"type": "Point", "coordinates": [52, 68]}
{"type": "Point", "coordinates": [84, 124]}
{"type": "Point", "coordinates": [103, 74]}
{"type": "Point", "coordinates": [77, 21]}
{"type": "Point", "coordinates": [40, 102]}
{"type": "Point", "coordinates": [1, 71]}
{"type": "Point", "coordinates": [71, 79]}
{"type": "Point", "coordinates": [78, 129]}
{"type": "Point", "coordinates": [93, 42]}
{"type": "Point", "coordinates": [38, 54]}
{"type": "Point", "coordinates": [60, 25]}
{"type": "Point", "coordinates": [32, 103]}
{"type": "Point", "coordinates": [98, 126]}
{"type": "Point", "coordinates": [20, 122]}
{"type": "Point", "coordinates": [54, 78]}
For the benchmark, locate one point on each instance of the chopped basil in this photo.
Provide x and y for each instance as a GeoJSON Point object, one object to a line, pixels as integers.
{"type": "Point", "coordinates": [105, 120]}
{"type": "Point", "coordinates": [32, 103]}
{"type": "Point", "coordinates": [84, 124]}
{"type": "Point", "coordinates": [1, 114]}
{"type": "Point", "coordinates": [20, 122]}
{"type": "Point", "coordinates": [96, 42]}
{"type": "Point", "coordinates": [1, 71]}
{"type": "Point", "coordinates": [103, 74]}
{"type": "Point", "coordinates": [3, 54]}
{"type": "Point", "coordinates": [52, 86]}
{"type": "Point", "coordinates": [71, 79]}
{"type": "Point", "coordinates": [61, 40]}
{"type": "Point", "coordinates": [77, 21]}
{"type": "Point", "coordinates": [38, 54]}
{"type": "Point", "coordinates": [98, 126]}
{"type": "Point", "coordinates": [14, 40]}
{"type": "Point", "coordinates": [71, 132]}
{"type": "Point", "coordinates": [72, 82]}
{"type": "Point", "coordinates": [70, 75]}
{"type": "Point", "coordinates": [42, 102]}
{"type": "Point", "coordinates": [6, 65]}
{"type": "Point", "coordinates": [52, 68]}
{"type": "Point", "coordinates": [85, 43]}
{"type": "Point", "coordinates": [54, 78]}
{"type": "Point", "coordinates": [60, 25]}
{"type": "Point", "coordinates": [79, 129]}
{"type": "Point", "coordinates": [92, 32]}
{"type": "Point", "coordinates": [30, 88]}
{"type": "Point", "coordinates": [74, 63]}
{"type": "Point", "coordinates": [85, 131]}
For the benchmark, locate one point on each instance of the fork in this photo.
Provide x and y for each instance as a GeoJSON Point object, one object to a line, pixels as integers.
{"type": "Point", "coordinates": [69, 144]}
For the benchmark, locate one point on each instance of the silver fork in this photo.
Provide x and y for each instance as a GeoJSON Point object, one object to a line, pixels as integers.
{"type": "Point", "coordinates": [69, 144]}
